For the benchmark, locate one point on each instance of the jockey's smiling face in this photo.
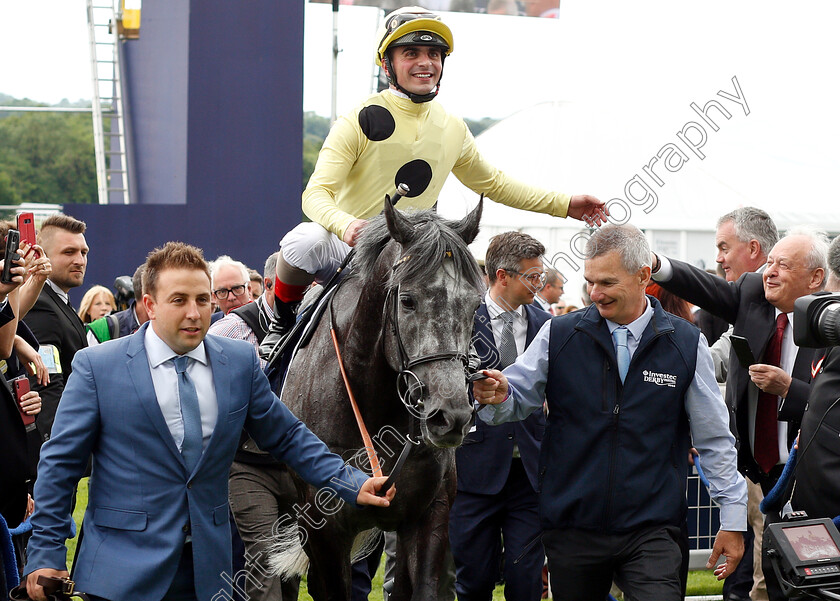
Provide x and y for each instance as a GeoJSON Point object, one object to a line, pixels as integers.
{"type": "Point", "coordinates": [417, 68]}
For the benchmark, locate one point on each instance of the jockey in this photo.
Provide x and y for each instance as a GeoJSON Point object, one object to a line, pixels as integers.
{"type": "Point", "coordinates": [397, 136]}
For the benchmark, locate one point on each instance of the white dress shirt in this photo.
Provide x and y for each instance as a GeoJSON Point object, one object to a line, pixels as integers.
{"type": "Point", "coordinates": [61, 293]}
{"type": "Point", "coordinates": [165, 381]}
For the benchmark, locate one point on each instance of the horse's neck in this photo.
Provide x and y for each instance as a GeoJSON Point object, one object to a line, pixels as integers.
{"type": "Point", "coordinates": [361, 319]}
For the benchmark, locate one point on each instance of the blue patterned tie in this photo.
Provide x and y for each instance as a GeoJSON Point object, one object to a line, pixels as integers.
{"type": "Point", "coordinates": [622, 353]}
{"type": "Point", "coordinates": [190, 413]}
{"type": "Point", "coordinates": [507, 344]}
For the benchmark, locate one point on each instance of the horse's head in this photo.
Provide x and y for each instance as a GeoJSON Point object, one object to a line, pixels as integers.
{"type": "Point", "coordinates": [433, 289]}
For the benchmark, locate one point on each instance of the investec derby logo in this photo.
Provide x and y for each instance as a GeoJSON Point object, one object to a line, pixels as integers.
{"type": "Point", "coordinates": [660, 379]}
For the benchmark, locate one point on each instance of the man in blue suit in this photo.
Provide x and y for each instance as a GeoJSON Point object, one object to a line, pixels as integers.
{"type": "Point", "coordinates": [497, 465]}
{"type": "Point", "coordinates": [161, 413]}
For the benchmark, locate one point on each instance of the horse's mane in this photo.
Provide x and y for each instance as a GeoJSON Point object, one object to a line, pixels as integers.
{"type": "Point", "coordinates": [433, 241]}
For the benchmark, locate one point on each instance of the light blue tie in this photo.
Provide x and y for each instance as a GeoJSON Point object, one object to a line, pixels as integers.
{"type": "Point", "coordinates": [622, 353]}
{"type": "Point", "coordinates": [190, 413]}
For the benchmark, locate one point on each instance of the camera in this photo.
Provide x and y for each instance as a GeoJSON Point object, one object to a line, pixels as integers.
{"type": "Point", "coordinates": [805, 555]}
{"type": "Point", "coordinates": [125, 292]}
{"type": "Point", "coordinates": [816, 320]}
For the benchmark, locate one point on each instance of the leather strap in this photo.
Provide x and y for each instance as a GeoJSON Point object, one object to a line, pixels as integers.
{"type": "Point", "coordinates": [56, 589]}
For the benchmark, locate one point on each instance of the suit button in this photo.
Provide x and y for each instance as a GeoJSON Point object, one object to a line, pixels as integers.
{"type": "Point", "coordinates": [186, 529]}
{"type": "Point", "coordinates": [510, 436]}
{"type": "Point", "coordinates": [189, 484]}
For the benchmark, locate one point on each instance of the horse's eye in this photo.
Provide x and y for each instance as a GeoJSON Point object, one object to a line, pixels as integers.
{"type": "Point", "coordinates": [407, 302]}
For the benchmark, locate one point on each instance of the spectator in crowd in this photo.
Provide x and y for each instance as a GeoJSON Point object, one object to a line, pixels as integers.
{"type": "Point", "coordinates": [18, 354]}
{"type": "Point", "coordinates": [568, 309]}
{"type": "Point", "coordinates": [96, 303]}
{"type": "Point", "coordinates": [743, 238]}
{"type": "Point", "coordinates": [558, 308]}
{"type": "Point", "coordinates": [814, 484]}
{"type": "Point", "coordinates": [768, 399]}
{"type": "Point", "coordinates": [57, 327]}
{"type": "Point", "coordinates": [14, 467]}
{"type": "Point", "coordinates": [551, 292]}
{"type": "Point", "coordinates": [230, 281]}
{"type": "Point", "coordinates": [256, 283]}
{"type": "Point", "coordinates": [250, 322]}
{"type": "Point", "coordinates": [628, 389]}
{"type": "Point", "coordinates": [398, 135]}
{"type": "Point", "coordinates": [125, 322]}
{"type": "Point", "coordinates": [121, 406]}
{"type": "Point", "coordinates": [497, 466]}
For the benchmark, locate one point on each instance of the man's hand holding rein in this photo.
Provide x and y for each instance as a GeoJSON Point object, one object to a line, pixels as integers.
{"type": "Point", "coordinates": [491, 390]}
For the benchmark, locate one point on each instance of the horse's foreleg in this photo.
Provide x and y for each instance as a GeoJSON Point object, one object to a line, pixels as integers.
{"type": "Point", "coordinates": [422, 557]}
{"type": "Point", "coordinates": [329, 577]}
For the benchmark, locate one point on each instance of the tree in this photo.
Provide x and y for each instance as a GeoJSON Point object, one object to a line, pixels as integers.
{"type": "Point", "coordinates": [315, 130]}
{"type": "Point", "coordinates": [47, 158]}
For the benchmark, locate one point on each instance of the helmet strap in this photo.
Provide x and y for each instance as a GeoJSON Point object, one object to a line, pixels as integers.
{"type": "Point", "coordinates": [415, 98]}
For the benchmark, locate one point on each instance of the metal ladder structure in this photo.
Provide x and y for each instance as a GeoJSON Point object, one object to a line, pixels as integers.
{"type": "Point", "coordinates": [109, 107]}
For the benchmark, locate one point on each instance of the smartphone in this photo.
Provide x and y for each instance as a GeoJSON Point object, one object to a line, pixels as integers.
{"type": "Point", "coordinates": [742, 351]}
{"type": "Point", "coordinates": [12, 243]}
{"type": "Point", "coordinates": [26, 227]}
{"type": "Point", "coordinates": [21, 386]}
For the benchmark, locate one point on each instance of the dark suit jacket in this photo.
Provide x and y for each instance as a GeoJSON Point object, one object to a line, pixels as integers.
{"type": "Point", "coordinates": [483, 461]}
{"type": "Point", "coordinates": [742, 304]}
{"type": "Point", "coordinates": [54, 322]}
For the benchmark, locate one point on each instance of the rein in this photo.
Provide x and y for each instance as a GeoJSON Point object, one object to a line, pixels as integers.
{"type": "Point", "coordinates": [375, 468]}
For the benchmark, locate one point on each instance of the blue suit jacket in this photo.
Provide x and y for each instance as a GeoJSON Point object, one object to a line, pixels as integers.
{"type": "Point", "coordinates": [142, 500]}
{"type": "Point", "coordinates": [483, 461]}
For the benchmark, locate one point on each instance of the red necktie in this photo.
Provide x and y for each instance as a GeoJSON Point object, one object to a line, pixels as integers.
{"type": "Point", "coordinates": [766, 445]}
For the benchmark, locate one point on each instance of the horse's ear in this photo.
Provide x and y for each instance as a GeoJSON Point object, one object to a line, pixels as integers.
{"type": "Point", "coordinates": [400, 228]}
{"type": "Point", "coordinates": [467, 228]}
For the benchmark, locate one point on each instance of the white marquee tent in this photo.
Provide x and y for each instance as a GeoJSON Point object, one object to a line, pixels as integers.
{"type": "Point", "coordinates": [544, 145]}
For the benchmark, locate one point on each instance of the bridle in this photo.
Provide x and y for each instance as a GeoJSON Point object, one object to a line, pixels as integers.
{"type": "Point", "coordinates": [410, 388]}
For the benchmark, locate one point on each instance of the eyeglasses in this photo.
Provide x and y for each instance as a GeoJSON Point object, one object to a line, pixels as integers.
{"type": "Point", "coordinates": [536, 278]}
{"type": "Point", "coordinates": [222, 293]}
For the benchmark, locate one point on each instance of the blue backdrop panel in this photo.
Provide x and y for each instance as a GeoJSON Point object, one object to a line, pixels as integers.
{"type": "Point", "coordinates": [215, 92]}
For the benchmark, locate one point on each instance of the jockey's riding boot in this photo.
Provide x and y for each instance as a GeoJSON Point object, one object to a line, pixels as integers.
{"type": "Point", "coordinates": [284, 320]}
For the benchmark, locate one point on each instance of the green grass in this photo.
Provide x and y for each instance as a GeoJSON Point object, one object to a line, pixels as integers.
{"type": "Point", "coordinates": [700, 582]}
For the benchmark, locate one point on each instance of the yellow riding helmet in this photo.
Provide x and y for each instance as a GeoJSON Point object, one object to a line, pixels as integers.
{"type": "Point", "coordinates": [413, 26]}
